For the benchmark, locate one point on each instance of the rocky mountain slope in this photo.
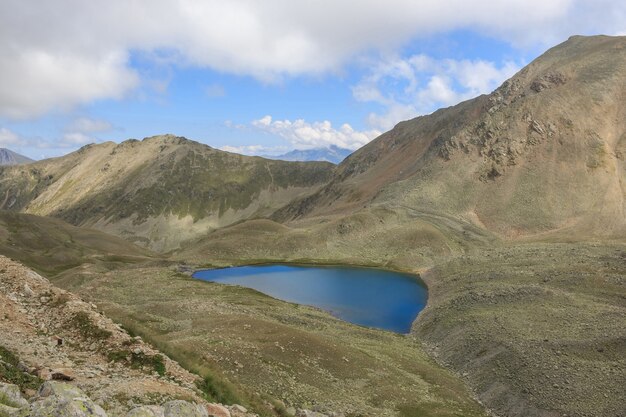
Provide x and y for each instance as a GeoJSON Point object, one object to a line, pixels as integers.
{"type": "Point", "coordinates": [537, 330]}
{"type": "Point", "coordinates": [157, 192]}
{"type": "Point", "coordinates": [543, 154]}
{"type": "Point", "coordinates": [48, 334]}
{"type": "Point", "coordinates": [8, 157]}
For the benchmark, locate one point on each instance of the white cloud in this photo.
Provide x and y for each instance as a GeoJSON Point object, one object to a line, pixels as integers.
{"type": "Point", "coordinates": [68, 140]}
{"type": "Point", "coordinates": [56, 55]}
{"type": "Point", "coordinates": [74, 139]}
{"type": "Point", "coordinates": [9, 138]}
{"type": "Point", "coordinates": [255, 149]}
{"type": "Point", "coordinates": [35, 81]}
{"type": "Point", "coordinates": [16, 141]}
{"type": "Point", "coordinates": [406, 88]}
{"type": "Point", "coordinates": [88, 125]}
{"type": "Point", "coordinates": [82, 131]}
{"type": "Point", "coordinates": [303, 135]}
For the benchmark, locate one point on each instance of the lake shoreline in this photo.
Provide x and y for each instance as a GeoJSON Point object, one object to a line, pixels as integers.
{"type": "Point", "coordinates": [366, 296]}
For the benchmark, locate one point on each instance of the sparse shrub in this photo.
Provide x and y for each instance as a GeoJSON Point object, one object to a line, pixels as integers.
{"type": "Point", "coordinates": [118, 355]}
{"type": "Point", "coordinates": [9, 372]}
{"type": "Point", "coordinates": [60, 300]}
{"type": "Point", "coordinates": [140, 360]}
{"type": "Point", "coordinates": [87, 328]}
{"type": "Point", "coordinates": [218, 390]}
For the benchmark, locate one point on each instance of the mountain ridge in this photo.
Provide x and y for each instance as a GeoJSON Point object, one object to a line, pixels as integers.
{"type": "Point", "coordinates": [333, 154]}
{"type": "Point", "coordinates": [159, 191]}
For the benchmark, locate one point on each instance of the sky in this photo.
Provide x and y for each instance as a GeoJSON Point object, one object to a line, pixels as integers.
{"type": "Point", "coordinates": [261, 77]}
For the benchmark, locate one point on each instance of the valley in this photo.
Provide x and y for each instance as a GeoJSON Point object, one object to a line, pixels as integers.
{"type": "Point", "coordinates": [511, 208]}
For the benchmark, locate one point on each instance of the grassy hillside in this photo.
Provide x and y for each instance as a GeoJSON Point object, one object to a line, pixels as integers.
{"type": "Point", "coordinates": [51, 246]}
{"type": "Point", "coordinates": [296, 354]}
{"type": "Point", "coordinates": [512, 205]}
{"type": "Point", "coordinates": [157, 192]}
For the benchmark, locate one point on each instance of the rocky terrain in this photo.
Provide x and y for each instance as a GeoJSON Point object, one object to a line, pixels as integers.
{"type": "Point", "coordinates": [60, 356]}
{"type": "Point", "coordinates": [536, 329]}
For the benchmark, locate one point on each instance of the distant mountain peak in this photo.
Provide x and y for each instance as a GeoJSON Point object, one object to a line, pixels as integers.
{"type": "Point", "coordinates": [332, 153]}
{"type": "Point", "coordinates": [8, 157]}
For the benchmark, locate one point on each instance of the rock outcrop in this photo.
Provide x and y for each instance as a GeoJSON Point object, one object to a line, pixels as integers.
{"type": "Point", "coordinates": [60, 399]}
{"type": "Point", "coordinates": [80, 362]}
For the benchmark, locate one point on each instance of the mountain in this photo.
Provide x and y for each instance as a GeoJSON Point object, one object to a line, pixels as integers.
{"type": "Point", "coordinates": [512, 208]}
{"type": "Point", "coordinates": [8, 157]}
{"type": "Point", "coordinates": [543, 154]}
{"type": "Point", "coordinates": [332, 154]}
{"type": "Point", "coordinates": [157, 192]}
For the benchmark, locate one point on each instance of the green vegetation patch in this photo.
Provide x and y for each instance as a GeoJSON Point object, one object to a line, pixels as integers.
{"type": "Point", "coordinates": [87, 328]}
{"type": "Point", "coordinates": [218, 390]}
{"type": "Point", "coordinates": [10, 373]}
{"type": "Point", "coordinates": [427, 410]}
{"type": "Point", "coordinates": [139, 360]}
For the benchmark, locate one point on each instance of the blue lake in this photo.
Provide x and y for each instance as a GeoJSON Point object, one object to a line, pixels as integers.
{"type": "Point", "coordinates": [364, 296]}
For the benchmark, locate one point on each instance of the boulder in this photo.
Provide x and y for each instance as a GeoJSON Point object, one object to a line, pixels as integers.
{"type": "Point", "coordinates": [59, 399]}
{"type": "Point", "coordinates": [146, 411]}
{"type": "Point", "coordinates": [8, 411]}
{"type": "Point", "coordinates": [28, 291]}
{"type": "Point", "coordinates": [44, 374]}
{"type": "Point", "coordinates": [217, 410]}
{"type": "Point", "coordinates": [11, 396]}
{"type": "Point", "coordinates": [238, 409]}
{"type": "Point", "coordinates": [179, 408]}
{"type": "Point", "coordinates": [59, 389]}
{"type": "Point", "coordinates": [63, 374]}
{"type": "Point", "coordinates": [61, 407]}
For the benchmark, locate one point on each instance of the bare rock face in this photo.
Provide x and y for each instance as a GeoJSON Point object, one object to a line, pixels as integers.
{"type": "Point", "coordinates": [58, 399]}
{"type": "Point", "coordinates": [217, 410]}
{"type": "Point", "coordinates": [548, 80]}
{"type": "Point", "coordinates": [181, 408]}
{"type": "Point", "coordinates": [11, 396]}
{"type": "Point", "coordinates": [146, 411]}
